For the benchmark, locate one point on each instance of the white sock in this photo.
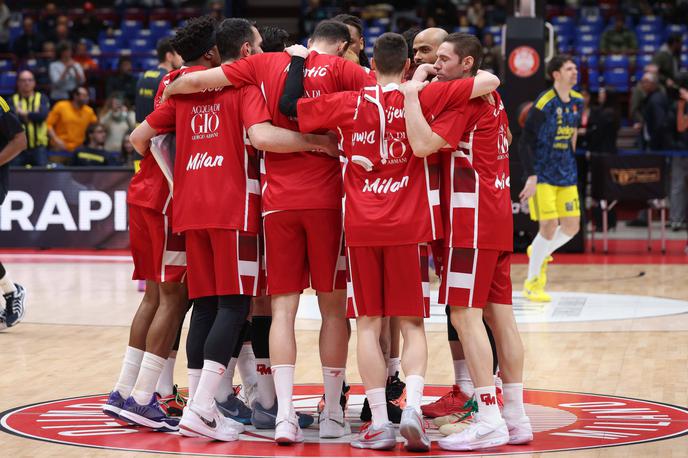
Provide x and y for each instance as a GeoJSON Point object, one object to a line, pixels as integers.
{"type": "Point", "coordinates": [414, 391]}
{"type": "Point", "coordinates": [247, 365]}
{"type": "Point", "coordinates": [194, 378]}
{"type": "Point", "coordinates": [538, 255]}
{"type": "Point", "coordinates": [560, 238]}
{"type": "Point", "coordinates": [378, 406]}
{"type": "Point", "coordinates": [513, 401]}
{"type": "Point", "coordinates": [266, 383]}
{"type": "Point", "coordinates": [166, 381]}
{"type": "Point", "coordinates": [211, 376]}
{"type": "Point", "coordinates": [462, 377]}
{"type": "Point", "coordinates": [284, 388]}
{"type": "Point", "coordinates": [151, 368]}
{"type": "Point", "coordinates": [486, 396]}
{"type": "Point", "coordinates": [333, 378]}
{"type": "Point", "coordinates": [6, 285]}
{"type": "Point", "coordinates": [129, 372]}
{"type": "Point", "coordinates": [226, 386]}
{"type": "Point", "coordinates": [393, 366]}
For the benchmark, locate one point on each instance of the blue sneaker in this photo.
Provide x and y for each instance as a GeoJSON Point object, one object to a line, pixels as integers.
{"type": "Point", "coordinates": [150, 415]}
{"type": "Point", "coordinates": [114, 405]}
{"type": "Point", "coordinates": [235, 409]}
{"type": "Point", "coordinates": [263, 418]}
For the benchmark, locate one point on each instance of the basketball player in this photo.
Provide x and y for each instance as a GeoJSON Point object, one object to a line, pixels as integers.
{"type": "Point", "coordinates": [476, 269]}
{"type": "Point", "coordinates": [218, 208]}
{"type": "Point", "coordinates": [160, 259]}
{"type": "Point", "coordinates": [302, 226]}
{"type": "Point", "coordinates": [547, 149]}
{"type": "Point", "coordinates": [385, 235]}
{"type": "Point", "coordinates": [12, 143]}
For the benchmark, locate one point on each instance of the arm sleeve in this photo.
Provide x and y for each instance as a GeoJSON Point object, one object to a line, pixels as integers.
{"type": "Point", "coordinates": [529, 135]}
{"type": "Point", "coordinates": [163, 118]}
{"type": "Point", "coordinates": [293, 88]}
{"type": "Point", "coordinates": [253, 107]}
{"type": "Point", "coordinates": [241, 72]}
{"type": "Point", "coordinates": [324, 112]}
{"type": "Point", "coordinates": [55, 72]}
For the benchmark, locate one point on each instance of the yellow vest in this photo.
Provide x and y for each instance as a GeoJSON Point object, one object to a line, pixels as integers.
{"type": "Point", "coordinates": [36, 133]}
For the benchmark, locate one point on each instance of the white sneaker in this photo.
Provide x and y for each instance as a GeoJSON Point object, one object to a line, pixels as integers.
{"type": "Point", "coordinates": [380, 438]}
{"type": "Point", "coordinates": [412, 429]}
{"type": "Point", "coordinates": [520, 431]}
{"type": "Point", "coordinates": [288, 431]}
{"type": "Point", "coordinates": [479, 435]}
{"type": "Point", "coordinates": [212, 424]}
{"type": "Point", "coordinates": [333, 426]}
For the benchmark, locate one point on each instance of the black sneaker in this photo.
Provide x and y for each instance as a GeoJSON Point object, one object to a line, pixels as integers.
{"type": "Point", "coordinates": [14, 306]}
{"type": "Point", "coordinates": [396, 398]}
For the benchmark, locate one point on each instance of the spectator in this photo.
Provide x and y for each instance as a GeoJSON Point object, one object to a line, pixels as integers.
{"type": "Point", "coordinates": [497, 14]}
{"type": "Point", "coordinates": [68, 119]}
{"type": "Point", "coordinates": [43, 61]}
{"type": "Point", "coordinates": [492, 55]}
{"type": "Point", "coordinates": [638, 96]}
{"type": "Point", "coordinates": [357, 43]}
{"type": "Point", "coordinates": [88, 25]}
{"type": "Point", "coordinates": [5, 16]}
{"type": "Point", "coordinates": [600, 123]}
{"type": "Point", "coordinates": [679, 165]}
{"type": "Point", "coordinates": [655, 110]}
{"type": "Point", "coordinates": [127, 154]}
{"type": "Point", "coordinates": [476, 14]}
{"type": "Point", "coordinates": [48, 20]}
{"type": "Point", "coordinates": [31, 107]}
{"type": "Point", "coordinates": [149, 82]}
{"type": "Point", "coordinates": [61, 33]}
{"type": "Point", "coordinates": [29, 42]}
{"type": "Point", "coordinates": [92, 152]}
{"type": "Point", "coordinates": [65, 73]}
{"type": "Point", "coordinates": [618, 39]}
{"type": "Point", "coordinates": [275, 39]}
{"type": "Point", "coordinates": [118, 120]}
{"type": "Point", "coordinates": [122, 82]}
{"type": "Point", "coordinates": [83, 57]}
{"type": "Point", "coordinates": [668, 59]}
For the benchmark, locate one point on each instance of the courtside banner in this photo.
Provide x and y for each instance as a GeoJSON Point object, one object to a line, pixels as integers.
{"type": "Point", "coordinates": [66, 208]}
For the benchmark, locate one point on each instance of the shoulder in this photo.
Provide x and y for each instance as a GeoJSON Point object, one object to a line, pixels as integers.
{"type": "Point", "coordinates": [3, 104]}
{"type": "Point", "coordinates": [544, 99]}
{"type": "Point", "coordinates": [576, 96]}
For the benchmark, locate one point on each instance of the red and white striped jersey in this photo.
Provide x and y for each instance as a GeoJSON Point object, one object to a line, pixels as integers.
{"type": "Point", "coordinates": [476, 201]}
{"type": "Point", "coordinates": [391, 196]}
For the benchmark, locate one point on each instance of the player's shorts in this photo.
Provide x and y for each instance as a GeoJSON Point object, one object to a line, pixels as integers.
{"type": "Point", "coordinates": [222, 262]}
{"type": "Point", "coordinates": [473, 277]}
{"type": "Point", "coordinates": [551, 202]}
{"type": "Point", "coordinates": [159, 254]}
{"type": "Point", "coordinates": [262, 277]}
{"type": "Point", "coordinates": [437, 251]}
{"type": "Point", "coordinates": [388, 281]}
{"type": "Point", "coordinates": [304, 248]}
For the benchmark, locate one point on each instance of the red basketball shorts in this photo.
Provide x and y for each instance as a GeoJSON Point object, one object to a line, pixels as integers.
{"type": "Point", "coordinates": [304, 248]}
{"type": "Point", "coordinates": [222, 262]}
{"type": "Point", "coordinates": [159, 254]}
{"type": "Point", "coordinates": [474, 277]}
{"type": "Point", "coordinates": [388, 281]}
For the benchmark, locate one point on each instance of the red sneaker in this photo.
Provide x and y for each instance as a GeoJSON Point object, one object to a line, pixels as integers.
{"type": "Point", "coordinates": [452, 402]}
{"type": "Point", "coordinates": [173, 405]}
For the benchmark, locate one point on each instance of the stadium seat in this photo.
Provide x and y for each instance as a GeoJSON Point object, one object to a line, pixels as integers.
{"type": "Point", "coordinates": [684, 62]}
{"type": "Point", "coordinates": [145, 34]}
{"type": "Point", "coordinates": [647, 28]}
{"type": "Point", "coordinates": [144, 63]}
{"type": "Point", "coordinates": [493, 29]}
{"type": "Point", "coordinates": [8, 82]}
{"type": "Point", "coordinates": [672, 29]}
{"type": "Point", "coordinates": [595, 23]}
{"type": "Point", "coordinates": [586, 50]}
{"type": "Point", "coordinates": [654, 20]}
{"type": "Point", "coordinates": [6, 65]}
{"type": "Point", "coordinates": [130, 27]}
{"type": "Point", "coordinates": [588, 28]}
{"type": "Point", "coordinates": [141, 45]}
{"type": "Point", "coordinates": [109, 45]}
{"type": "Point", "coordinates": [160, 28]}
{"type": "Point", "coordinates": [593, 62]}
{"type": "Point", "coordinates": [586, 39]}
{"type": "Point", "coordinates": [593, 80]}
{"type": "Point", "coordinates": [374, 31]}
{"type": "Point", "coordinates": [650, 39]}
{"type": "Point", "coordinates": [616, 79]}
{"type": "Point", "coordinates": [649, 48]}
{"type": "Point", "coordinates": [468, 29]}
{"type": "Point", "coordinates": [617, 61]}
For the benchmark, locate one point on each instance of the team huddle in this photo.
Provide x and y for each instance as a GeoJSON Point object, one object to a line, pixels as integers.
{"type": "Point", "coordinates": [298, 169]}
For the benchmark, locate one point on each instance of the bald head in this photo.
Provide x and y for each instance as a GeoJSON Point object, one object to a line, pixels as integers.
{"type": "Point", "coordinates": [426, 43]}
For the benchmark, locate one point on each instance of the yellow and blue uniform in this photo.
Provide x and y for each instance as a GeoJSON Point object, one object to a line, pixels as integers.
{"type": "Point", "coordinates": [547, 151]}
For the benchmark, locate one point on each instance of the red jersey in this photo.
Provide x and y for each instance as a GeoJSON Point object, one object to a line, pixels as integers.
{"type": "Point", "coordinates": [476, 189]}
{"type": "Point", "coordinates": [303, 180]}
{"type": "Point", "coordinates": [149, 188]}
{"type": "Point", "coordinates": [391, 196]}
{"type": "Point", "coordinates": [215, 186]}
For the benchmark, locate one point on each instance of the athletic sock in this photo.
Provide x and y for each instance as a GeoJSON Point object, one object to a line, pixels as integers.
{"type": "Point", "coordinates": [284, 388]}
{"type": "Point", "coordinates": [560, 239]}
{"type": "Point", "coordinates": [211, 376]}
{"type": "Point", "coordinates": [266, 383]}
{"type": "Point", "coordinates": [333, 378]}
{"type": "Point", "coordinates": [378, 406]}
{"type": "Point", "coordinates": [393, 366]}
{"type": "Point", "coordinates": [194, 378]}
{"type": "Point", "coordinates": [247, 365]}
{"type": "Point", "coordinates": [486, 397]}
{"type": "Point", "coordinates": [462, 377]}
{"type": "Point", "coordinates": [129, 372]}
{"type": "Point", "coordinates": [149, 373]}
{"type": "Point", "coordinates": [513, 401]}
{"type": "Point", "coordinates": [538, 254]}
{"type": "Point", "coordinates": [414, 391]}
{"type": "Point", "coordinates": [260, 338]}
{"type": "Point", "coordinates": [226, 386]}
{"type": "Point", "coordinates": [6, 285]}
{"type": "Point", "coordinates": [165, 385]}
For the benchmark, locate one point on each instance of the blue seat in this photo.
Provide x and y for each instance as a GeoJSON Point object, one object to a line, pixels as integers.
{"type": "Point", "coordinates": [587, 39]}
{"type": "Point", "coordinates": [374, 31]}
{"type": "Point", "coordinates": [649, 48]}
{"type": "Point", "coordinates": [650, 38]}
{"type": "Point", "coordinates": [109, 45]}
{"type": "Point", "coordinates": [616, 79]}
{"type": "Point", "coordinates": [647, 28]}
{"type": "Point", "coordinates": [593, 24]}
{"type": "Point", "coordinates": [593, 62]}
{"type": "Point", "coordinates": [469, 29]}
{"type": "Point", "coordinates": [593, 80]}
{"type": "Point", "coordinates": [141, 45]}
{"type": "Point", "coordinates": [144, 63]}
{"type": "Point", "coordinates": [8, 80]}
{"type": "Point", "coordinates": [616, 61]}
{"type": "Point", "coordinates": [684, 62]}
{"type": "Point", "coordinates": [144, 33]}
{"type": "Point", "coordinates": [494, 29]}
{"type": "Point", "coordinates": [159, 28]}
{"type": "Point", "coordinates": [642, 60]}
{"type": "Point", "coordinates": [382, 22]}
{"type": "Point", "coordinates": [5, 65]}
{"type": "Point", "coordinates": [673, 29]}
{"type": "Point", "coordinates": [586, 50]}
{"type": "Point", "coordinates": [130, 27]}
{"type": "Point", "coordinates": [654, 20]}
{"type": "Point", "coordinates": [588, 28]}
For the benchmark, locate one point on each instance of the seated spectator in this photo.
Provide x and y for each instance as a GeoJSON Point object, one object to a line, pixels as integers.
{"type": "Point", "coordinates": [83, 57]}
{"type": "Point", "coordinates": [29, 42]}
{"type": "Point", "coordinates": [5, 16]}
{"type": "Point", "coordinates": [31, 107]}
{"type": "Point", "coordinates": [65, 73]}
{"type": "Point", "coordinates": [492, 55]}
{"type": "Point", "coordinates": [42, 67]}
{"type": "Point", "coordinates": [618, 39]}
{"type": "Point", "coordinates": [87, 25]}
{"type": "Point", "coordinates": [476, 14]}
{"type": "Point", "coordinates": [47, 20]}
{"type": "Point", "coordinates": [127, 154]}
{"type": "Point", "coordinates": [118, 120]}
{"type": "Point", "coordinates": [68, 120]}
{"type": "Point", "coordinates": [92, 152]}
{"type": "Point", "coordinates": [123, 82]}
{"type": "Point", "coordinates": [655, 110]}
{"type": "Point", "coordinates": [668, 59]}
{"type": "Point", "coordinates": [274, 38]}
{"type": "Point", "coordinates": [62, 32]}
{"type": "Point", "coordinates": [497, 14]}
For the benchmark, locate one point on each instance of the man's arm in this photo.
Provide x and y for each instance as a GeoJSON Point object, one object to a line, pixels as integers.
{"type": "Point", "coordinates": [196, 81]}
{"type": "Point", "coordinates": [422, 139]}
{"type": "Point", "coordinates": [681, 115]}
{"type": "Point", "coordinates": [526, 151]}
{"type": "Point", "coordinates": [42, 113]}
{"type": "Point", "coordinates": [293, 87]}
{"type": "Point", "coordinates": [13, 148]}
{"type": "Point", "coordinates": [141, 136]}
{"type": "Point", "coordinates": [265, 136]}
{"type": "Point", "coordinates": [484, 83]}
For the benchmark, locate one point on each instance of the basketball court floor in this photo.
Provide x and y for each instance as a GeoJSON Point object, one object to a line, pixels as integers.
{"type": "Point", "coordinates": [606, 362]}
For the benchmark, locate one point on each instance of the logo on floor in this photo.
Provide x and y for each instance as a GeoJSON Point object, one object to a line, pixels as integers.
{"type": "Point", "coordinates": [561, 421]}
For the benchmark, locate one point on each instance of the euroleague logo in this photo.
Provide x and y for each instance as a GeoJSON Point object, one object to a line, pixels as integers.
{"type": "Point", "coordinates": [524, 61]}
{"type": "Point", "coordinates": [205, 121]}
{"type": "Point", "coordinates": [560, 420]}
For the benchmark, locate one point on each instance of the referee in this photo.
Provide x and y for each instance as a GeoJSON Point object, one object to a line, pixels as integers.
{"type": "Point", "coordinates": [147, 85]}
